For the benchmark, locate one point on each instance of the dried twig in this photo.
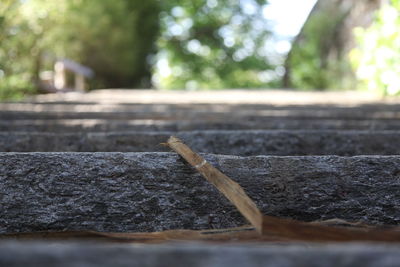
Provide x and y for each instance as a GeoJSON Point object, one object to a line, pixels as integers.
{"type": "Point", "coordinates": [239, 234]}
{"type": "Point", "coordinates": [269, 225]}
{"type": "Point", "coordinates": [231, 190]}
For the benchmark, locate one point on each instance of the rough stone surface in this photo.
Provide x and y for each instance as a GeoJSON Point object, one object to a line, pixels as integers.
{"type": "Point", "coordinates": [157, 191]}
{"type": "Point", "coordinates": [275, 97]}
{"type": "Point", "coordinates": [378, 110]}
{"type": "Point", "coordinates": [96, 125]}
{"type": "Point", "coordinates": [73, 254]}
{"type": "Point", "coordinates": [260, 115]}
{"type": "Point", "coordinates": [124, 111]}
{"type": "Point", "coordinates": [243, 143]}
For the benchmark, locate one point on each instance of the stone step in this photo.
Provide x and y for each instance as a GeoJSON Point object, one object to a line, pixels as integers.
{"type": "Point", "coordinates": [275, 97]}
{"type": "Point", "coordinates": [12, 111]}
{"type": "Point", "coordinates": [201, 115]}
{"type": "Point", "coordinates": [72, 254]}
{"type": "Point", "coordinates": [242, 143]}
{"type": "Point", "coordinates": [196, 107]}
{"type": "Point", "coordinates": [157, 191]}
{"type": "Point", "coordinates": [96, 125]}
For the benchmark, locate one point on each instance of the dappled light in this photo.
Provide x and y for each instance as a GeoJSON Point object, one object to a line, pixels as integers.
{"type": "Point", "coordinates": [198, 45]}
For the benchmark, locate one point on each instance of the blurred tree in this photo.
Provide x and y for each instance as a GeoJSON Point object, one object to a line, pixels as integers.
{"type": "Point", "coordinates": [16, 65]}
{"type": "Point", "coordinates": [200, 44]}
{"type": "Point", "coordinates": [376, 58]}
{"type": "Point", "coordinates": [215, 44]}
{"type": "Point", "coordinates": [319, 55]}
{"type": "Point", "coordinates": [113, 38]}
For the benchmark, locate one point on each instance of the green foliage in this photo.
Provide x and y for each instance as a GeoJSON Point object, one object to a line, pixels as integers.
{"type": "Point", "coordinates": [213, 44]}
{"type": "Point", "coordinates": [377, 58]}
{"type": "Point", "coordinates": [15, 53]}
{"type": "Point", "coordinates": [15, 87]}
{"type": "Point", "coordinates": [114, 38]}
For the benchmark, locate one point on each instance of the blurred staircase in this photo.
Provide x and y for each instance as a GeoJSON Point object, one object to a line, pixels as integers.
{"type": "Point", "coordinates": [306, 156]}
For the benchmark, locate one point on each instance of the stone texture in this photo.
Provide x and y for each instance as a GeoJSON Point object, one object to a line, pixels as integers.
{"type": "Point", "coordinates": [378, 109]}
{"type": "Point", "coordinates": [275, 97]}
{"type": "Point", "coordinates": [233, 112]}
{"type": "Point", "coordinates": [239, 115]}
{"type": "Point", "coordinates": [243, 143]}
{"type": "Point", "coordinates": [74, 254]}
{"type": "Point", "coordinates": [157, 191]}
{"type": "Point", "coordinates": [96, 125]}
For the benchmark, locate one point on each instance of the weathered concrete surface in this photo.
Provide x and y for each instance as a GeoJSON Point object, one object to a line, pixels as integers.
{"type": "Point", "coordinates": [96, 125]}
{"type": "Point", "coordinates": [242, 143]}
{"type": "Point", "coordinates": [73, 254]}
{"type": "Point", "coordinates": [157, 191]}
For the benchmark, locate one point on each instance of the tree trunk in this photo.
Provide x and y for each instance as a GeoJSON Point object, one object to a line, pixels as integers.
{"type": "Point", "coordinates": [324, 42]}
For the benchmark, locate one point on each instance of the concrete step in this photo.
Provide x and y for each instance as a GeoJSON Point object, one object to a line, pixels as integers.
{"type": "Point", "coordinates": [96, 125]}
{"type": "Point", "coordinates": [123, 192]}
{"type": "Point", "coordinates": [242, 143]}
{"type": "Point", "coordinates": [71, 254]}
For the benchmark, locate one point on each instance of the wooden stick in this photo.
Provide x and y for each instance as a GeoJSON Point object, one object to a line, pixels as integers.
{"type": "Point", "coordinates": [307, 231]}
{"type": "Point", "coordinates": [268, 225]}
{"type": "Point", "coordinates": [239, 234]}
{"type": "Point", "coordinates": [230, 189]}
